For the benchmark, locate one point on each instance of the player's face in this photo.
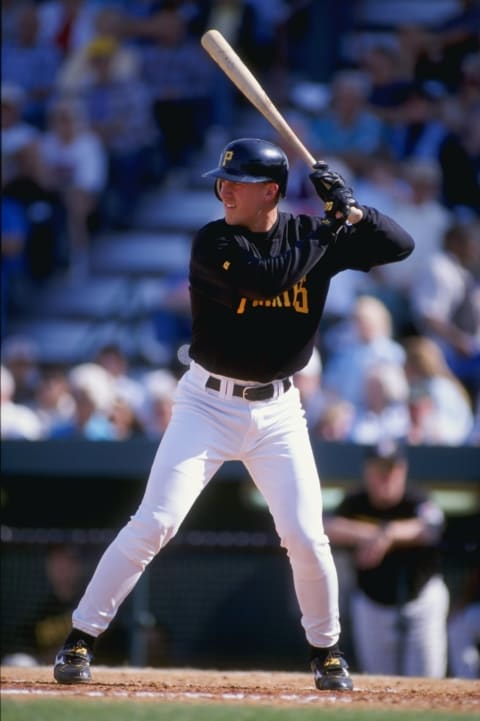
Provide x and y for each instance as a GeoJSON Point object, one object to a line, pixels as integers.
{"type": "Point", "coordinates": [385, 482]}
{"type": "Point", "coordinates": [252, 205]}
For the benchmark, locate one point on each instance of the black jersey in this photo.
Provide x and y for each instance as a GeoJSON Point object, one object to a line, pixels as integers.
{"type": "Point", "coordinates": [257, 298]}
{"type": "Point", "coordinates": [403, 572]}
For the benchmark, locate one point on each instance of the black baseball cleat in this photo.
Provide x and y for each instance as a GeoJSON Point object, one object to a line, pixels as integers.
{"type": "Point", "coordinates": [72, 664]}
{"type": "Point", "coordinates": [331, 674]}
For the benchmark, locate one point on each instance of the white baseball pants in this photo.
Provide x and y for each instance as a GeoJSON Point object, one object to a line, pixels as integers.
{"type": "Point", "coordinates": [207, 428]}
{"type": "Point", "coordinates": [414, 644]}
{"type": "Point", "coordinates": [464, 642]}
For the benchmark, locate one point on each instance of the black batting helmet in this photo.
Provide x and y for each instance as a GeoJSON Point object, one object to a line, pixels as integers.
{"type": "Point", "coordinates": [251, 160]}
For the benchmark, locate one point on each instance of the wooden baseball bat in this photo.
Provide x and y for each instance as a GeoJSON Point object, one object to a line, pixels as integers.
{"type": "Point", "coordinates": [233, 66]}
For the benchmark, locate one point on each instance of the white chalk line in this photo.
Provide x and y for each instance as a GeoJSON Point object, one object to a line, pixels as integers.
{"type": "Point", "coordinates": [176, 696]}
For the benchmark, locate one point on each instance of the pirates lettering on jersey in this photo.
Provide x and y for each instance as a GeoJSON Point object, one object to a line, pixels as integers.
{"type": "Point", "coordinates": [296, 297]}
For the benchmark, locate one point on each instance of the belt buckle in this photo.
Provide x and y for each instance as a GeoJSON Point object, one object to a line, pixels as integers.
{"type": "Point", "coordinates": [245, 390]}
{"type": "Point", "coordinates": [258, 393]}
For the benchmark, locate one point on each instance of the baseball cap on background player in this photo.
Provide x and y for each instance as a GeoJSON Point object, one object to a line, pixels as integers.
{"type": "Point", "coordinates": [388, 450]}
{"type": "Point", "coordinates": [251, 160]}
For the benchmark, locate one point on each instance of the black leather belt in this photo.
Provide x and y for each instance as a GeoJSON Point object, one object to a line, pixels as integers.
{"type": "Point", "coordinates": [250, 393]}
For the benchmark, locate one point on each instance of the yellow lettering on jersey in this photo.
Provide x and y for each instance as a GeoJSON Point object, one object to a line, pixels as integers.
{"type": "Point", "coordinates": [226, 265]}
{"type": "Point", "coordinates": [296, 297]}
{"type": "Point", "coordinates": [241, 306]}
{"type": "Point", "coordinates": [300, 297]}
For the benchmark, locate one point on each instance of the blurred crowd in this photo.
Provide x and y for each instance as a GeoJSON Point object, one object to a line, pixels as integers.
{"type": "Point", "coordinates": [373, 388]}
{"type": "Point", "coordinates": [103, 100]}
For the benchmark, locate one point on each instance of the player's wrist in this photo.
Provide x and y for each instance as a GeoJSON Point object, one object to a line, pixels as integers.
{"type": "Point", "coordinates": [355, 215]}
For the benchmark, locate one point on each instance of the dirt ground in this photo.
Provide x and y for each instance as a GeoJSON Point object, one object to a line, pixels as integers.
{"type": "Point", "coordinates": [252, 687]}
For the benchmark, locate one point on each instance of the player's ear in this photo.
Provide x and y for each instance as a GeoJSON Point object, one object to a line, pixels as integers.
{"type": "Point", "coordinates": [271, 191]}
{"type": "Point", "coordinates": [218, 187]}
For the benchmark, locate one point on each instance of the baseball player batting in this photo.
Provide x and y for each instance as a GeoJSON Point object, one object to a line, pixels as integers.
{"type": "Point", "coordinates": [258, 282]}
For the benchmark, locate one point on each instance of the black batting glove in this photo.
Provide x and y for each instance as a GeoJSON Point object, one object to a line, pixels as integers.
{"type": "Point", "coordinates": [333, 224]}
{"type": "Point", "coordinates": [325, 180]}
{"type": "Point", "coordinates": [331, 188]}
{"type": "Point", "coordinates": [341, 203]}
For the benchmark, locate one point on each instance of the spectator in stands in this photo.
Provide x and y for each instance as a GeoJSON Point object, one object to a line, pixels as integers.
{"type": "Point", "coordinates": [54, 403]}
{"type": "Point", "coordinates": [388, 87]}
{"type": "Point", "coordinates": [369, 342]}
{"type": "Point", "coordinates": [460, 159]}
{"type": "Point", "coordinates": [259, 41]}
{"type": "Point", "coordinates": [434, 51]}
{"type": "Point", "coordinates": [10, 10]}
{"type": "Point", "coordinates": [383, 414]}
{"type": "Point", "coordinates": [327, 417]}
{"type": "Point", "coordinates": [76, 167]}
{"type": "Point", "coordinates": [418, 130]}
{"type": "Point", "coordinates": [179, 76]}
{"type": "Point", "coordinates": [446, 54]}
{"type": "Point", "coordinates": [31, 63]}
{"type": "Point", "coordinates": [119, 112]}
{"type": "Point", "coordinates": [468, 93]}
{"type": "Point", "coordinates": [334, 422]}
{"type": "Point", "coordinates": [456, 37]}
{"type": "Point", "coordinates": [446, 302]}
{"type": "Point", "coordinates": [474, 438]}
{"type": "Point", "coordinates": [16, 133]}
{"type": "Point", "coordinates": [76, 72]}
{"type": "Point", "coordinates": [92, 389]}
{"type": "Point", "coordinates": [125, 418]}
{"type": "Point", "coordinates": [172, 320]}
{"type": "Point", "coordinates": [20, 357]}
{"type": "Point", "coordinates": [252, 28]}
{"type": "Point", "coordinates": [414, 43]}
{"type": "Point", "coordinates": [13, 269]}
{"type": "Point", "coordinates": [420, 211]}
{"type": "Point", "coordinates": [335, 328]}
{"type": "Point", "coordinates": [309, 383]}
{"type": "Point", "coordinates": [301, 197]}
{"type": "Point", "coordinates": [160, 386]}
{"type": "Point", "coordinates": [440, 407]}
{"type": "Point", "coordinates": [347, 127]}
{"type": "Point", "coordinates": [17, 421]}
{"type": "Point", "coordinates": [400, 602]}
{"type": "Point", "coordinates": [423, 200]}
{"type": "Point", "coordinates": [114, 359]}
{"type": "Point", "coordinates": [45, 250]}
{"type": "Point", "coordinates": [381, 183]}
{"type": "Point", "coordinates": [68, 24]}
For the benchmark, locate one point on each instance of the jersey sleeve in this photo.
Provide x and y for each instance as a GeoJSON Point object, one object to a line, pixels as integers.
{"type": "Point", "coordinates": [228, 262]}
{"type": "Point", "coordinates": [376, 240]}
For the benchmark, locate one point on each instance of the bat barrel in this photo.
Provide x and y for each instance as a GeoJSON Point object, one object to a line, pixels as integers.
{"type": "Point", "coordinates": [233, 66]}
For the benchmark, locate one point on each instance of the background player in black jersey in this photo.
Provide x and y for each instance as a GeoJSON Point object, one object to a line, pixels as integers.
{"type": "Point", "coordinates": [399, 608]}
{"type": "Point", "coordinates": [258, 282]}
